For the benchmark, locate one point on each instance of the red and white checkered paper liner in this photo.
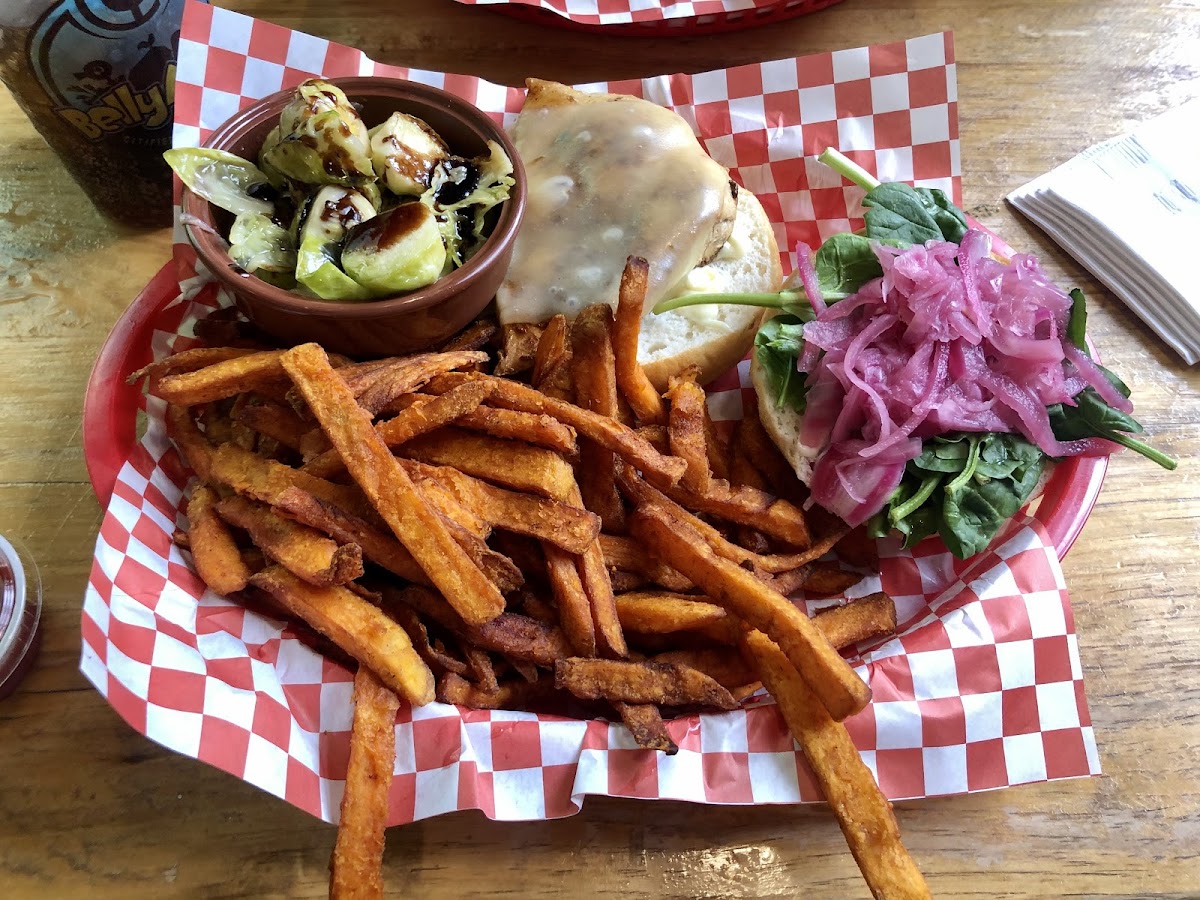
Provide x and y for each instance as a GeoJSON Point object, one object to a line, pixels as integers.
{"type": "Point", "coordinates": [982, 689]}
{"type": "Point", "coordinates": [665, 12]}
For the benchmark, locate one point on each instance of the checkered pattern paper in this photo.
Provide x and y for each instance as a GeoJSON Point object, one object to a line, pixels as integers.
{"type": "Point", "coordinates": [982, 689]}
{"type": "Point", "coordinates": [672, 15]}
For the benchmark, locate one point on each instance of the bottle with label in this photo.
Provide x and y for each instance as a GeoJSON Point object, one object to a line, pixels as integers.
{"type": "Point", "coordinates": [97, 79]}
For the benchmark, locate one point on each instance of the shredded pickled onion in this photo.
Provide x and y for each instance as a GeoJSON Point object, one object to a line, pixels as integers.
{"type": "Point", "coordinates": [948, 339]}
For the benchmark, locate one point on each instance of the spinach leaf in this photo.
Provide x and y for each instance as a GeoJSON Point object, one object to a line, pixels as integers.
{"type": "Point", "coordinates": [1090, 416]}
{"type": "Point", "coordinates": [963, 487]}
{"type": "Point", "coordinates": [843, 264]}
{"type": "Point", "coordinates": [900, 212]}
{"type": "Point", "coordinates": [777, 346]}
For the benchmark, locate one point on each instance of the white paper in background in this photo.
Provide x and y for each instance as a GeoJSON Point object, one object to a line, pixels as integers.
{"type": "Point", "coordinates": [1128, 210]}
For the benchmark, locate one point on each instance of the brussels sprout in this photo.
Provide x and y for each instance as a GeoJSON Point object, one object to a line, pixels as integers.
{"type": "Point", "coordinates": [404, 150]}
{"type": "Point", "coordinates": [333, 211]}
{"type": "Point", "coordinates": [462, 192]}
{"type": "Point", "coordinates": [259, 246]}
{"type": "Point", "coordinates": [398, 250]}
{"type": "Point", "coordinates": [322, 140]}
{"type": "Point", "coordinates": [224, 180]}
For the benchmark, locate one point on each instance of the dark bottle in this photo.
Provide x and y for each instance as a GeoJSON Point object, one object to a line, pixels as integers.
{"type": "Point", "coordinates": [97, 79]}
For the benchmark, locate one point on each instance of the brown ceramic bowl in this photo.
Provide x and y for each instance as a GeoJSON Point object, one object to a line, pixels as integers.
{"type": "Point", "coordinates": [393, 325]}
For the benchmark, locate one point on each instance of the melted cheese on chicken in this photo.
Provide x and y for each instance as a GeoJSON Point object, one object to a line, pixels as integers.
{"type": "Point", "coordinates": [607, 180]}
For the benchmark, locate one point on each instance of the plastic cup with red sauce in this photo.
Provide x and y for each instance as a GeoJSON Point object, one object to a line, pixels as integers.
{"type": "Point", "coordinates": [20, 614]}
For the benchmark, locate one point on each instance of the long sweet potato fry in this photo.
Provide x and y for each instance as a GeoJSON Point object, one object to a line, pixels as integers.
{"type": "Point", "coordinates": [633, 682]}
{"type": "Point", "coordinates": [841, 691]}
{"type": "Point", "coordinates": [214, 552]}
{"type": "Point", "coordinates": [360, 628]}
{"type": "Point", "coordinates": [302, 550]}
{"type": "Point", "coordinates": [509, 463]}
{"type": "Point", "coordinates": [592, 370]}
{"type": "Point", "coordinates": [390, 490]}
{"type": "Point", "coordinates": [642, 396]}
{"type": "Point", "coordinates": [574, 608]}
{"type": "Point", "coordinates": [222, 379]}
{"type": "Point", "coordinates": [863, 812]}
{"type": "Point", "coordinates": [356, 868]}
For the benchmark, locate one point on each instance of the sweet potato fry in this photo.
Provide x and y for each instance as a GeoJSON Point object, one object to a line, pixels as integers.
{"type": "Point", "coordinates": [664, 684]}
{"type": "Point", "coordinates": [841, 691]}
{"type": "Point", "coordinates": [390, 490]}
{"type": "Point", "coordinates": [222, 379]}
{"type": "Point", "coordinates": [274, 420]}
{"type": "Point", "coordinates": [627, 555]}
{"type": "Point", "coordinates": [264, 480]}
{"type": "Point", "coordinates": [420, 418]}
{"type": "Point", "coordinates": [574, 608]}
{"type": "Point", "coordinates": [356, 868]}
{"type": "Point", "coordinates": [561, 524]}
{"type": "Point", "coordinates": [608, 433]}
{"type": "Point", "coordinates": [828, 578]}
{"type": "Point", "coordinates": [642, 396]}
{"type": "Point", "coordinates": [518, 347]}
{"type": "Point", "coordinates": [646, 726]}
{"type": "Point", "coordinates": [214, 551]}
{"type": "Point", "coordinates": [685, 431]}
{"type": "Point", "coordinates": [480, 668]}
{"type": "Point", "coordinates": [552, 351]}
{"type": "Point", "coordinates": [509, 695]}
{"type": "Point", "coordinates": [357, 626]}
{"type": "Point", "coordinates": [610, 641]}
{"type": "Point", "coordinates": [411, 373]}
{"type": "Point", "coordinates": [510, 634]}
{"type": "Point", "coordinates": [744, 505]}
{"type": "Point", "coordinates": [508, 463]}
{"type": "Point", "coordinates": [186, 361]}
{"type": "Point", "coordinates": [193, 446]}
{"type": "Point", "coordinates": [752, 440]}
{"type": "Point", "coordinates": [475, 336]}
{"type": "Point", "coordinates": [303, 551]}
{"type": "Point", "coordinates": [592, 370]}
{"type": "Point", "coordinates": [661, 612]}
{"type": "Point", "coordinates": [435, 656]}
{"type": "Point", "coordinates": [378, 546]}
{"type": "Point", "coordinates": [726, 668]}
{"type": "Point", "coordinates": [863, 619]}
{"type": "Point", "coordinates": [863, 812]}
{"type": "Point", "coordinates": [787, 583]}
{"type": "Point", "coordinates": [514, 425]}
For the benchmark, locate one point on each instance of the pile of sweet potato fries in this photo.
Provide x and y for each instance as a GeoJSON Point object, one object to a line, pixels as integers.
{"type": "Point", "coordinates": [521, 520]}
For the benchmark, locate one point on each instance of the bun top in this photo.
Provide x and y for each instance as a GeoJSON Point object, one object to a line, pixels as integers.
{"type": "Point", "coordinates": [609, 176]}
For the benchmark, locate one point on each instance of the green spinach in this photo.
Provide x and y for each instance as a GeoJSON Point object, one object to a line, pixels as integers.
{"type": "Point", "coordinates": [777, 346]}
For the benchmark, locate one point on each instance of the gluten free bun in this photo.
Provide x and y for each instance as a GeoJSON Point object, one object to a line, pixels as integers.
{"type": "Point", "coordinates": [714, 337]}
{"type": "Point", "coordinates": [612, 176]}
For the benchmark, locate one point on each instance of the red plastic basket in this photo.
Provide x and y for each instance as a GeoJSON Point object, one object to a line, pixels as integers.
{"type": "Point", "coordinates": [684, 26]}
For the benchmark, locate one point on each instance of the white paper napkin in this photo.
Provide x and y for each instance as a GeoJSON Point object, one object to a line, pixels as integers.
{"type": "Point", "coordinates": [1128, 210]}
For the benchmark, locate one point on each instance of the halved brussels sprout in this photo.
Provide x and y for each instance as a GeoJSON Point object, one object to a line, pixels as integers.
{"type": "Point", "coordinates": [224, 180]}
{"type": "Point", "coordinates": [404, 151]}
{"type": "Point", "coordinates": [260, 246]}
{"type": "Point", "coordinates": [322, 139]}
{"type": "Point", "coordinates": [398, 250]}
{"type": "Point", "coordinates": [333, 211]}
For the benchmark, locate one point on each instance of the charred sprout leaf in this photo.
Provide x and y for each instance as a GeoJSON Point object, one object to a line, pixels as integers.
{"type": "Point", "coordinates": [224, 180]}
{"type": "Point", "coordinates": [462, 193]}
{"type": "Point", "coordinates": [777, 346]}
{"type": "Point", "coordinates": [259, 246]}
{"type": "Point", "coordinates": [398, 250]}
{"type": "Point", "coordinates": [322, 139]}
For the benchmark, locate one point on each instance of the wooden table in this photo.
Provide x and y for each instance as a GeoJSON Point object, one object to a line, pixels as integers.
{"type": "Point", "coordinates": [88, 808]}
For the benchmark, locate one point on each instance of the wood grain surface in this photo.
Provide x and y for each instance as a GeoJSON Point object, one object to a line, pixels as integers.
{"type": "Point", "coordinates": [88, 808]}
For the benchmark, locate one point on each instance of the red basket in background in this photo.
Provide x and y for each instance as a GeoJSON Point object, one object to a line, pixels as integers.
{"type": "Point", "coordinates": [682, 26]}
